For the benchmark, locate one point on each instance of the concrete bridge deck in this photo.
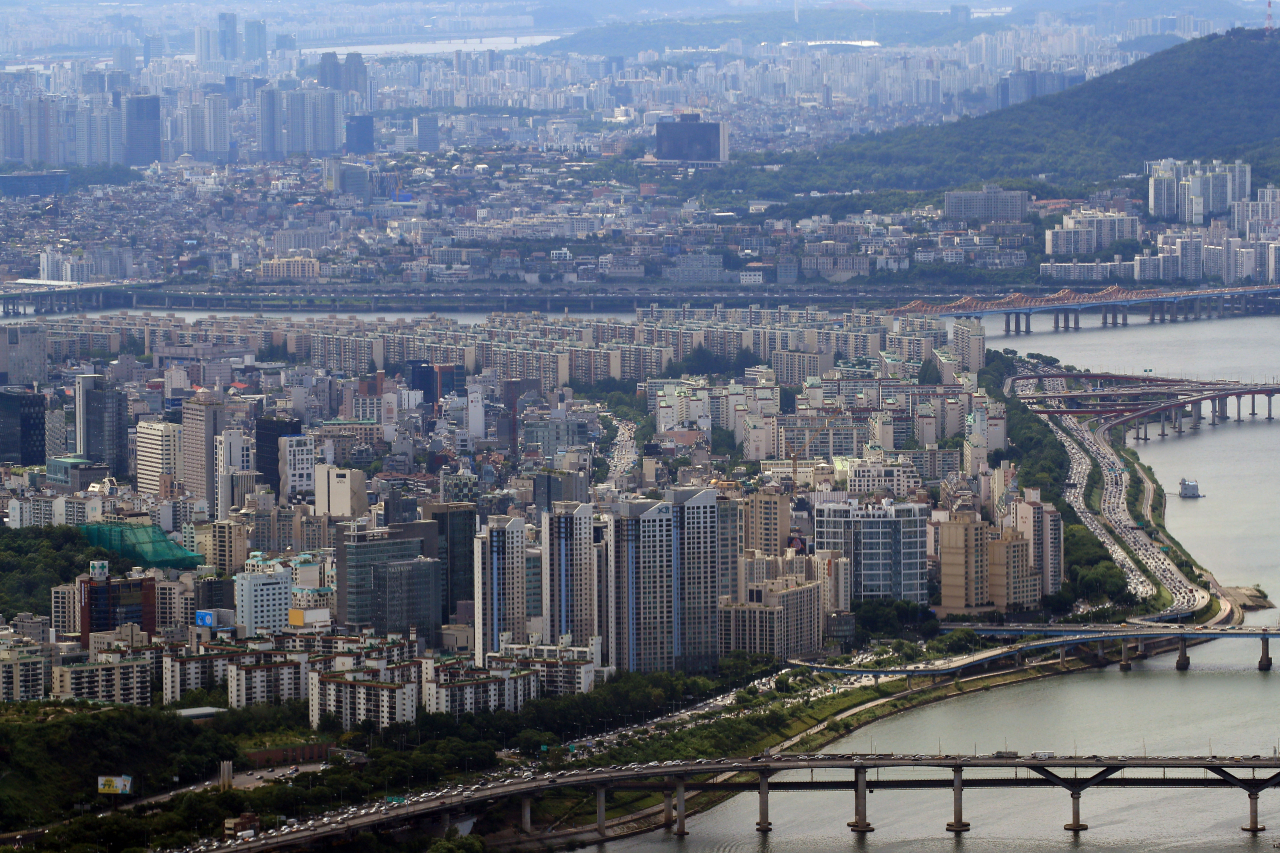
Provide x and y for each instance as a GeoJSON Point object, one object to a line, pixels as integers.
{"type": "Point", "coordinates": [1074, 774]}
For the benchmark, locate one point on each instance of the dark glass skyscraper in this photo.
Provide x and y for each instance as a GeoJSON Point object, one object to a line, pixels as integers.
{"type": "Point", "coordinates": [267, 435]}
{"type": "Point", "coordinates": [142, 130]}
{"type": "Point", "coordinates": [455, 540]}
{"type": "Point", "coordinates": [22, 428]}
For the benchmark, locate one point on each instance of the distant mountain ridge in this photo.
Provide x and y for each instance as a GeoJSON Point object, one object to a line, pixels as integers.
{"type": "Point", "coordinates": [1211, 98]}
{"type": "Point", "coordinates": [890, 27]}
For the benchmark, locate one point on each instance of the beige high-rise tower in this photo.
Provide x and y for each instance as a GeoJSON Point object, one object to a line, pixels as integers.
{"type": "Point", "coordinates": [203, 419]}
{"type": "Point", "coordinates": [962, 552]}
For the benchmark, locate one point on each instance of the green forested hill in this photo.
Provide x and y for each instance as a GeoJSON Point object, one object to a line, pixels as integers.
{"type": "Point", "coordinates": [1212, 98]}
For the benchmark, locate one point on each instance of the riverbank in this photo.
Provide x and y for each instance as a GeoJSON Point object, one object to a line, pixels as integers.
{"type": "Point", "coordinates": [650, 817]}
{"type": "Point", "coordinates": [1238, 600]}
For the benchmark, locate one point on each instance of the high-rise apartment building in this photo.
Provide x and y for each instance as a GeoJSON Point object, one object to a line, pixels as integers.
{"type": "Point", "coordinates": [962, 560]}
{"type": "Point", "coordinates": [669, 561]}
{"type": "Point", "coordinates": [1012, 577]}
{"type": "Point", "coordinates": [765, 521]}
{"type": "Point", "coordinates": [270, 123]}
{"type": "Point", "coordinates": [886, 543]}
{"type": "Point", "coordinates": [499, 575]}
{"type": "Point", "coordinates": [159, 453]}
{"type": "Point", "coordinates": [217, 127]}
{"type": "Point", "coordinates": [203, 419]}
{"type": "Point", "coordinates": [573, 574]}
{"type": "Point", "coordinates": [1041, 524]}
{"type": "Point", "coordinates": [969, 343]}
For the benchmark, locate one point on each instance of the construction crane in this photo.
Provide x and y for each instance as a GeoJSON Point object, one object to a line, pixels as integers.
{"type": "Point", "coordinates": [804, 451]}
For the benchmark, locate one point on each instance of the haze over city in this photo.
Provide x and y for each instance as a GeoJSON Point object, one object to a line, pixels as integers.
{"type": "Point", "coordinates": [463, 427]}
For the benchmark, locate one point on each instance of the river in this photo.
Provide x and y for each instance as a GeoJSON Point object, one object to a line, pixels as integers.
{"type": "Point", "coordinates": [1222, 705]}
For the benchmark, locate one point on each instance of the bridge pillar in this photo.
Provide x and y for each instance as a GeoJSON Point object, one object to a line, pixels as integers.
{"type": "Point", "coordinates": [1077, 319]}
{"type": "Point", "coordinates": [1006, 324]}
{"type": "Point", "coordinates": [1141, 654]}
{"type": "Point", "coordinates": [1184, 663]}
{"type": "Point", "coordinates": [1253, 826]}
{"type": "Point", "coordinates": [526, 814]}
{"type": "Point", "coordinates": [1196, 415]}
{"type": "Point", "coordinates": [1104, 316]}
{"type": "Point", "coordinates": [958, 823]}
{"type": "Point", "coordinates": [859, 824]}
{"type": "Point", "coordinates": [1268, 407]}
{"type": "Point", "coordinates": [601, 790]}
{"type": "Point", "coordinates": [1028, 322]}
{"type": "Point", "coordinates": [1264, 662]}
{"type": "Point", "coordinates": [680, 830]}
{"type": "Point", "coordinates": [1163, 416]}
{"type": "Point", "coordinates": [1239, 406]}
{"type": "Point", "coordinates": [1075, 825]}
{"type": "Point", "coordinates": [1055, 319]}
{"type": "Point", "coordinates": [1017, 324]}
{"type": "Point", "coordinates": [1151, 316]}
{"type": "Point", "coordinates": [1125, 312]}
{"type": "Point", "coordinates": [667, 817]}
{"type": "Point", "coordinates": [1125, 666]}
{"type": "Point", "coordinates": [1253, 405]}
{"type": "Point", "coordinates": [763, 824]}
{"type": "Point", "coordinates": [1062, 655]}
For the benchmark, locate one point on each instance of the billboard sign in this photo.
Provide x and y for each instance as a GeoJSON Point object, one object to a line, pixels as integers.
{"type": "Point", "coordinates": [115, 784]}
{"type": "Point", "coordinates": [206, 619]}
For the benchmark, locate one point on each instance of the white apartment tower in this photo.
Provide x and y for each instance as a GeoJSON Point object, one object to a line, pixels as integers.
{"type": "Point", "coordinates": [262, 601]}
{"type": "Point", "coordinates": [232, 455]}
{"type": "Point", "coordinates": [159, 452]}
{"type": "Point", "coordinates": [571, 579]}
{"type": "Point", "coordinates": [297, 464]}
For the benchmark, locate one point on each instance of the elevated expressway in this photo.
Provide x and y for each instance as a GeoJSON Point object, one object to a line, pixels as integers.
{"type": "Point", "coordinates": [1188, 598]}
{"type": "Point", "coordinates": [859, 773]}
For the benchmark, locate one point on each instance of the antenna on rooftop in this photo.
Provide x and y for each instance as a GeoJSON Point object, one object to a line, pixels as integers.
{"type": "Point", "coordinates": [1268, 15]}
{"type": "Point", "coordinates": [797, 12]}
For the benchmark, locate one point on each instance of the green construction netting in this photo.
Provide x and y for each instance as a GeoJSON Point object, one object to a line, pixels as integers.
{"type": "Point", "coordinates": [144, 544]}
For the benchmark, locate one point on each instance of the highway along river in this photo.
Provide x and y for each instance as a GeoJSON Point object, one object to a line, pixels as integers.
{"type": "Point", "coordinates": [1222, 705]}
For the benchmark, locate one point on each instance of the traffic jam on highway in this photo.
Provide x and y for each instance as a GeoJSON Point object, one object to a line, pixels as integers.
{"type": "Point", "coordinates": [1187, 597]}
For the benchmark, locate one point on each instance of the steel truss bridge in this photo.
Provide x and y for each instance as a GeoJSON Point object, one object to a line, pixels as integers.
{"type": "Point", "coordinates": [1114, 303]}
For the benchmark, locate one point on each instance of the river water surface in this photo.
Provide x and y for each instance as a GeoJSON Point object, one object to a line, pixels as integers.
{"type": "Point", "coordinates": [1223, 705]}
